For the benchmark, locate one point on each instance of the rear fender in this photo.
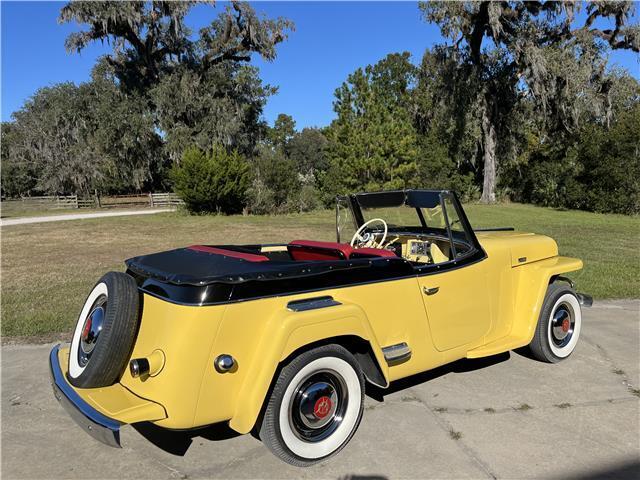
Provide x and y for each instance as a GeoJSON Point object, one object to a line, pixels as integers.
{"type": "Point", "coordinates": [289, 332]}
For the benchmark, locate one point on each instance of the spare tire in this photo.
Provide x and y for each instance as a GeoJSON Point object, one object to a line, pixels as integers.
{"type": "Point", "coordinates": [105, 332]}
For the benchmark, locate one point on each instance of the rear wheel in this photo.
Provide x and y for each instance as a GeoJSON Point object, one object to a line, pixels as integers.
{"type": "Point", "coordinates": [315, 407]}
{"type": "Point", "coordinates": [558, 326]}
{"type": "Point", "coordinates": [105, 332]}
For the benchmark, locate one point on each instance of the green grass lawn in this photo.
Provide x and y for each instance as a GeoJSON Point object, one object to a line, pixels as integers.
{"type": "Point", "coordinates": [49, 268]}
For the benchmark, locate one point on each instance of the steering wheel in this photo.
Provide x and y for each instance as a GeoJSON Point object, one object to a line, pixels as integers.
{"type": "Point", "coordinates": [368, 240]}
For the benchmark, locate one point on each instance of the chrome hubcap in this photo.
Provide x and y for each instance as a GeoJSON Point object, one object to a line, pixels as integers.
{"type": "Point", "coordinates": [91, 330]}
{"type": "Point", "coordinates": [318, 405]}
{"type": "Point", "coordinates": [562, 325]}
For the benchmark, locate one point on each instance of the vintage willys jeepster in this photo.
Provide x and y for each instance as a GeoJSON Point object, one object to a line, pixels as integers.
{"type": "Point", "coordinates": [280, 339]}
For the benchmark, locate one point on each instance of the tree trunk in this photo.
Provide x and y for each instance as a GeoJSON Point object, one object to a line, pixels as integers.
{"type": "Point", "coordinates": [489, 157]}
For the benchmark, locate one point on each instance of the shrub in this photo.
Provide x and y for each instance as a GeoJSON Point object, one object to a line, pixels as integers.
{"type": "Point", "coordinates": [213, 181]}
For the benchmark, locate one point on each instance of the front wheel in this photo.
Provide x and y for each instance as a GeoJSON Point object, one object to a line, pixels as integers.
{"type": "Point", "coordinates": [559, 325]}
{"type": "Point", "coordinates": [315, 407]}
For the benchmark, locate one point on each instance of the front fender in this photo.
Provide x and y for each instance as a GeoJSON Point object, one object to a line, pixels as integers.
{"type": "Point", "coordinates": [532, 281]}
{"type": "Point", "coordinates": [290, 331]}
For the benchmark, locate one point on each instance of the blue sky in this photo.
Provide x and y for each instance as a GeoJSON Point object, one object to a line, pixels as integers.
{"type": "Point", "coordinates": [331, 40]}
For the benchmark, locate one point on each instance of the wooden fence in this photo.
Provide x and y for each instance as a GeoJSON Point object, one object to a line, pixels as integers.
{"type": "Point", "coordinates": [125, 201]}
{"type": "Point", "coordinates": [43, 203]}
{"type": "Point", "coordinates": [165, 200]}
{"type": "Point", "coordinates": [72, 202]}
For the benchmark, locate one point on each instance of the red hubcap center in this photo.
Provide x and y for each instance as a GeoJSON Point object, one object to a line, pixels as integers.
{"type": "Point", "coordinates": [87, 329]}
{"type": "Point", "coordinates": [565, 325]}
{"type": "Point", "coordinates": [322, 407]}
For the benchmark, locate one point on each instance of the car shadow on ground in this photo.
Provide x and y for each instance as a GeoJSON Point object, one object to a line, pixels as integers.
{"type": "Point", "coordinates": [622, 471]}
{"type": "Point", "coordinates": [177, 442]}
{"type": "Point", "coordinates": [459, 366]}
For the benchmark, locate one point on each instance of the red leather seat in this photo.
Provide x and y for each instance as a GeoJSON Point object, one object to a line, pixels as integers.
{"type": "Point", "coordinates": [302, 250]}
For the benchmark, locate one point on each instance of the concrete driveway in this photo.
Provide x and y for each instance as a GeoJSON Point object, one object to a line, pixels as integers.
{"type": "Point", "coordinates": [503, 417]}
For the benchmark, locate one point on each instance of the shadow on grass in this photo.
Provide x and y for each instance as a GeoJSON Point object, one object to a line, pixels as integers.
{"type": "Point", "coordinates": [459, 366]}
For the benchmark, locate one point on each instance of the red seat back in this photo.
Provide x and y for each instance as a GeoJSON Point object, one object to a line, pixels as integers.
{"type": "Point", "coordinates": [301, 250]}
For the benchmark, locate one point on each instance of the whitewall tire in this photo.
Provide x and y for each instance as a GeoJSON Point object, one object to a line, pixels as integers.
{"type": "Point", "coordinates": [97, 299]}
{"type": "Point", "coordinates": [559, 325]}
{"type": "Point", "coordinates": [104, 335]}
{"type": "Point", "coordinates": [315, 407]}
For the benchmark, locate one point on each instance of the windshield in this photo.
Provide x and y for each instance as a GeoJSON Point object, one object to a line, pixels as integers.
{"type": "Point", "coordinates": [400, 216]}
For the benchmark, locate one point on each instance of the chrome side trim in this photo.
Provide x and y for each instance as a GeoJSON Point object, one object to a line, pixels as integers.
{"type": "Point", "coordinates": [312, 303]}
{"type": "Point", "coordinates": [584, 299]}
{"type": "Point", "coordinates": [396, 353]}
{"type": "Point", "coordinates": [99, 426]}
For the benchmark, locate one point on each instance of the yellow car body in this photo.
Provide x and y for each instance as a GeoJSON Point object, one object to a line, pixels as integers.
{"type": "Point", "coordinates": [395, 328]}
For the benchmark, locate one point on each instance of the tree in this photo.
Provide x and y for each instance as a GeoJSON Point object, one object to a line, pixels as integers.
{"type": "Point", "coordinates": [373, 144]}
{"type": "Point", "coordinates": [212, 181]}
{"type": "Point", "coordinates": [525, 38]}
{"type": "Point", "coordinates": [284, 128]}
{"type": "Point", "coordinates": [222, 105]}
{"type": "Point", "coordinates": [151, 39]}
{"type": "Point", "coordinates": [125, 137]}
{"type": "Point", "coordinates": [199, 88]}
{"type": "Point", "coordinates": [610, 165]}
{"type": "Point", "coordinates": [54, 130]}
{"type": "Point", "coordinates": [75, 139]}
{"type": "Point", "coordinates": [308, 150]}
{"type": "Point", "coordinates": [18, 176]}
{"type": "Point", "coordinates": [275, 182]}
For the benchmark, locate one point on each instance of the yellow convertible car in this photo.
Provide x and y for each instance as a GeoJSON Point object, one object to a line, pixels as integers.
{"type": "Point", "coordinates": [281, 339]}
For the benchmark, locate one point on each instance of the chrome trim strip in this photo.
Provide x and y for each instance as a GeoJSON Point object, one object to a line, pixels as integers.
{"type": "Point", "coordinates": [312, 304]}
{"type": "Point", "coordinates": [99, 426]}
{"type": "Point", "coordinates": [584, 299]}
{"type": "Point", "coordinates": [396, 353]}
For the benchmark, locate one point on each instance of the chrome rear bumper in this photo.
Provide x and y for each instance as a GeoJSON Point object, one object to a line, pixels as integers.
{"type": "Point", "coordinates": [100, 427]}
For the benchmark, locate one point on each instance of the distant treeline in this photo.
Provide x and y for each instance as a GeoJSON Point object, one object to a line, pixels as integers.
{"type": "Point", "coordinates": [517, 103]}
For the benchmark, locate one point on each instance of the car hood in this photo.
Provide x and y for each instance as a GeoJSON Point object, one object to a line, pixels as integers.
{"type": "Point", "coordinates": [524, 247]}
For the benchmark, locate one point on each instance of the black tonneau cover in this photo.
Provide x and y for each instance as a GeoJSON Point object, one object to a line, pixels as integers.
{"type": "Point", "coordinates": [184, 266]}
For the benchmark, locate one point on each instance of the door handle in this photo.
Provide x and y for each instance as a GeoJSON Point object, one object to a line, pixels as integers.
{"type": "Point", "coordinates": [430, 291]}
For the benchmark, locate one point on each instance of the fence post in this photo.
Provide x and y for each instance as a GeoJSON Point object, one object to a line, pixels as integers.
{"type": "Point", "coordinates": [96, 198]}
{"type": "Point", "coordinates": [151, 199]}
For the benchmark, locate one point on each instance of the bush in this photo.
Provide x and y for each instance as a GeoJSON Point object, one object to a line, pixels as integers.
{"type": "Point", "coordinates": [278, 187]}
{"type": "Point", "coordinates": [610, 162]}
{"type": "Point", "coordinates": [597, 170]}
{"type": "Point", "coordinates": [213, 181]}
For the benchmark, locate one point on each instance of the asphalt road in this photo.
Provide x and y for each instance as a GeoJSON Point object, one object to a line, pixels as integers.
{"type": "Point", "coordinates": [79, 216]}
{"type": "Point", "coordinates": [503, 417]}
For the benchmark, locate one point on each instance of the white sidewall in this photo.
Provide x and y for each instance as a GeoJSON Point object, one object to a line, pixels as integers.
{"type": "Point", "coordinates": [336, 439]}
{"type": "Point", "coordinates": [565, 351]}
{"type": "Point", "coordinates": [75, 370]}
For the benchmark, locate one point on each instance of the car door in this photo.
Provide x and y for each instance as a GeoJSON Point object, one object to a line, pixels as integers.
{"type": "Point", "coordinates": [455, 289]}
{"type": "Point", "coordinates": [457, 305]}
